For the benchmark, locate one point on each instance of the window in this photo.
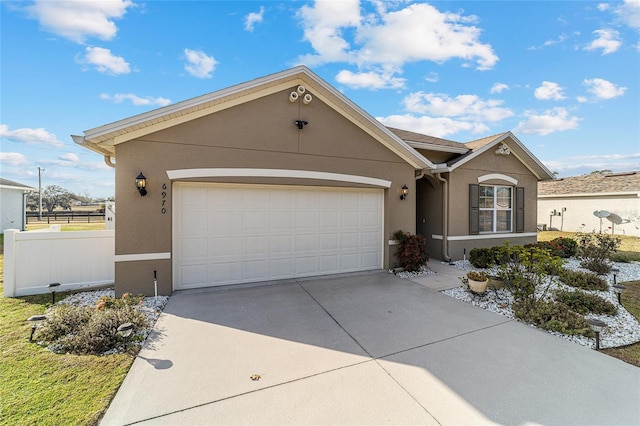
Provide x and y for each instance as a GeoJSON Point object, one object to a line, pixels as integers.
{"type": "Point", "coordinates": [496, 208]}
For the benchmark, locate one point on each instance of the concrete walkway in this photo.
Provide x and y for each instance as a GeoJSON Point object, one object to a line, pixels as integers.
{"type": "Point", "coordinates": [363, 349]}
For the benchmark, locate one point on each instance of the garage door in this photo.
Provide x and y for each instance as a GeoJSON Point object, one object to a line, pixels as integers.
{"type": "Point", "coordinates": [228, 234]}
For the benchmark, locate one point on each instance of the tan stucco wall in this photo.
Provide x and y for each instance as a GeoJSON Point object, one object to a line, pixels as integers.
{"type": "Point", "coordinates": [459, 180]}
{"type": "Point", "coordinates": [258, 134]}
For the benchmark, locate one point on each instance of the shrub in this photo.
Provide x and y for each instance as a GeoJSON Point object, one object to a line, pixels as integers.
{"type": "Point", "coordinates": [584, 303]}
{"type": "Point", "coordinates": [564, 247]}
{"type": "Point", "coordinates": [583, 280]}
{"type": "Point", "coordinates": [482, 257]}
{"type": "Point", "coordinates": [552, 316]}
{"type": "Point", "coordinates": [594, 251]}
{"type": "Point", "coordinates": [625, 257]}
{"type": "Point", "coordinates": [412, 250]}
{"type": "Point", "coordinates": [82, 330]}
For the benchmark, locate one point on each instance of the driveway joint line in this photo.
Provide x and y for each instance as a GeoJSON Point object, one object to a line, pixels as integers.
{"type": "Point", "coordinates": [335, 320]}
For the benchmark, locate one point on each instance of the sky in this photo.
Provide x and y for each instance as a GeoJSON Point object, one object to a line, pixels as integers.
{"type": "Point", "coordinates": [563, 76]}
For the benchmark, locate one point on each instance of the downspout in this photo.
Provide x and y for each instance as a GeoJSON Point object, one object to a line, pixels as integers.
{"type": "Point", "coordinates": [445, 217]}
{"type": "Point", "coordinates": [109, 162]}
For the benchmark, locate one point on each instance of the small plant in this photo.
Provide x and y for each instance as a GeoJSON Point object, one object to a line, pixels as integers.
{"type": "Point", "coordinates": [477, 276]}
{"type": "Point", "coordinates": [482, 257]}
{"type": "Point", "coordinates": [595, 249]}
{"type": "Point", "coordinates": [583, 280]}
{"type": "Point", "coordinates": [412, 250]}
{"type": "Point", "coordinates": [585, 303]}
{"type": "Point", "coordinates": [552, 316]}
{"type": "Point", "coordinates": [564, 247]}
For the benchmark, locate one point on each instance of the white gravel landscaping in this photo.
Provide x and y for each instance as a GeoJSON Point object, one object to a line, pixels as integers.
{"type": "Point", "coordinates": [151, 307]}
{"type": "Point", "coordinates": [622, 329]}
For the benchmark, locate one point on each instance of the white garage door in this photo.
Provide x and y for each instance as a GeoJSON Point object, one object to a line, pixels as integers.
{"type": "Point", "coordinates": [228, 234]}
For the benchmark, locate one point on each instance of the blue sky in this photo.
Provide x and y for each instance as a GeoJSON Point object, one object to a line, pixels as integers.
{"type": "Point", "coordinates": [564, 76]}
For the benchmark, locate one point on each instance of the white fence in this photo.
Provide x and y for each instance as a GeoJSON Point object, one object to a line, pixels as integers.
{"type": "Point", "coordinates": [33, 260]}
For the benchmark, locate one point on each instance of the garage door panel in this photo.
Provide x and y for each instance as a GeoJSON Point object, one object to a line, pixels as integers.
{"type": "Point", "coordinates": [245, 233]}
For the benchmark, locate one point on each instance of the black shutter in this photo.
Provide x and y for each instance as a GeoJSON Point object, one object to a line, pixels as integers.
{"type": "Point", "coordinates": [474, 209]}
{"type": "Point", "coordinates": [519, 209]}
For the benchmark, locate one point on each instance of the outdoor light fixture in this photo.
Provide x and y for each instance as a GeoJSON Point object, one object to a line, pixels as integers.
{"type": "Point", "coordinates": [125, 329]}
{"type": "Point", "coordinates": [597, 326]}
{"type": "Point", "coordinates": [300, 123]}
{"type": "Point", "coordinates": [52, 288]}
{"type": "Point", "coordinates": [404, 191]}
{"type": "Point", "coordinates": [35, 320]}
{"type": "Point", "coordinates": [619, 289]}
{"type": "Point", "coordinates": [141, 184]}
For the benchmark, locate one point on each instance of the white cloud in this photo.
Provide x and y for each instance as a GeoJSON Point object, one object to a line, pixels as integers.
{"type": "Point", "coordinates": [549, 90]}
{"type": "Point", "coordinates": [253, 18]}
{"type": "Point", "coordinates": [629, 13]}
{"type": "Point", "coordinates": [323, 25]}
{"type": "Point", "coordinates": [550, 121]}
{"type": "Point", "coordinates": [338, 32]}
{"type": "Point", "coordinates": [14, 159]}
{"type": "Point", "coordinates": [199, 63]}
{"type": "Point", "coordinates": [499, 88]}
{"type": "Point", "coordinates": [432, 77]}
{"type": "Point", "coordinates": [439, 127]}
{"type": "Point", "coordinates": [582, 99]}
{"type": "Point", "coordinates": [465, 107]}
{"type": "Point", "coordinates": [608, 40]}
{"type": "Point", "coordinates": [30, 136]}
{"type": "Point", "coordinates": [78, 20]}
{"type": "Point", "coordinates": [603, 6]}
{"type": "Point", "coordinates": [370, 80]}
{"type": "Point", "coordinates": [105, 61]}
{"type": "Point", "coordinates": [135, 99]}
{"type": "Point", "coordinates": [603, 89]}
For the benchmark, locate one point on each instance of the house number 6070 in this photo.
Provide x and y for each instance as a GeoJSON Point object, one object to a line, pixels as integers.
{"type": "Point", "coordinates": [163, 210]}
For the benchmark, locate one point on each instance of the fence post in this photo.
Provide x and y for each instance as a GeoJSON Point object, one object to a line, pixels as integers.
{"type": "Point", "coordinates": [10, 262]}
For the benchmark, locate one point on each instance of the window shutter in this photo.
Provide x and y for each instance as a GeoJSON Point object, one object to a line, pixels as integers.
{"type": "Point", "coordinates": [519, 209]}
{"type": "Point", "coordinates": [474, 209]}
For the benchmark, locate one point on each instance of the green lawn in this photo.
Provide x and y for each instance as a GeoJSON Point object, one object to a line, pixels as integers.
{"type": "Point", "coordinates": [38, 387]}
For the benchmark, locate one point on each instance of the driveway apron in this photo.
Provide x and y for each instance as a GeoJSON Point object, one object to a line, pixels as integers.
{"type": "Point", "coordinates": [362, 349]}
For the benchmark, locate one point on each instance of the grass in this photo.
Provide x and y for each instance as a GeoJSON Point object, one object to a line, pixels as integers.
{"type": "Point", "coordinates": [631, 301]}
{"type": "Point", "coordinates": [77, 226]}
{"type": "Point", "coordinates": [39, 387]}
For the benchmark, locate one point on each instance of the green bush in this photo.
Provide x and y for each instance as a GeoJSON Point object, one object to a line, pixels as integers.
{"type": "Point", "coordinates": [482, 257]}
{"type": "Point", "coordinates": [583, 280]}
{"type": "Point", "coordinates": [594, 251]}
{"type": "Point", "coordinates": [552, 316]}
{"type": "Point", "coordinates": [625, 256]}
{"type": "Point", "coordinates": [564, 247]}
{"type": "Point", "coordinates": [83, 330]}
{"type": "Point", "coordinates": [585, 303]}
{"type": "Point", "coordinates": [412, 250]}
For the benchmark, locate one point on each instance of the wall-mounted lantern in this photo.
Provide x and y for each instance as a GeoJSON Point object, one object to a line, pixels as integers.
{"type": "Point", "coordinates": [404, 191]}
{"type": "Point", "coordinates": [141, 184]}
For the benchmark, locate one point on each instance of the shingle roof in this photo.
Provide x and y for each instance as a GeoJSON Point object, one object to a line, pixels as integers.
{"type": "Point", "coordinates": [408, 136]}
{"type": "Point", "coordinates": [592, 184]}
{"type": "Point", "coordinates": [479, 143]}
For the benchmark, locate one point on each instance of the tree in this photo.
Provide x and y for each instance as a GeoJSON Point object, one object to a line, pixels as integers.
{"type": "Point", "coordinates": [52, 196]}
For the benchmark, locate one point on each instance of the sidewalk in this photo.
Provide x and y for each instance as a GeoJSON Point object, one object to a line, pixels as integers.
{"type": "Point", "coordinates": [444, 278]}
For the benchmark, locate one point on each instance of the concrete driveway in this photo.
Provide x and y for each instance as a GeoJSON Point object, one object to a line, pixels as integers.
{"type": "Point", "coordinates": [363, 349]}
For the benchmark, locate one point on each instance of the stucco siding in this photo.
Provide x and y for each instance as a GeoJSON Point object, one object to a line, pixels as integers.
{"type": "Point", "coordinates": [256, 135]}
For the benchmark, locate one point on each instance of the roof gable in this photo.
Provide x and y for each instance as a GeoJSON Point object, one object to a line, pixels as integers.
{"type": "Point", "coordinates": [103, 139]}
{"type": "Point", "coordinates": [514, 147]}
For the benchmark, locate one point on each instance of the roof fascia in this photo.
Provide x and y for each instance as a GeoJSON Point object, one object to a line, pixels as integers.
{"type": "Point", "coordinates": [19, 188]}
{"type": "Point", "coordinates": [498, 140]}
{"type": "Point", "coordinates": [435, 147]}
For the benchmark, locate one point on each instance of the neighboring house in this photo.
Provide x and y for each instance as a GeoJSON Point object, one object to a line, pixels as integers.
{"type": "Point", "coordinates": [569, 204]}
{"type": "Point", "coordinates": [13, 205]}
{"type": "Point", "coordinates": [283, 177]}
